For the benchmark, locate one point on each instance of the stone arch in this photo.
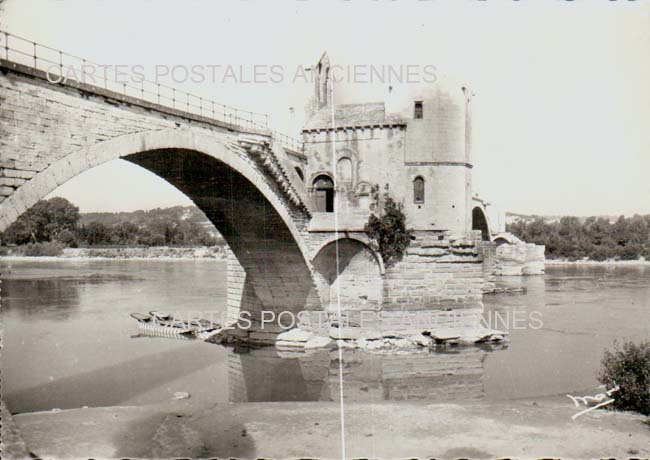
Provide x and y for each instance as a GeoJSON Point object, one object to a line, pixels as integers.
{"type": "Point", "coordinates": [505, 238]}
{"type": "Point", "coordinates": [480, 222]}
{"type": "Point", "coordinates": [360, 238]}
{"type": "Point", "coordinates": [500, 241]}
{"type": "Point", "coordinates": [357, 277]}
{"type": "Point", "coordinates": [254, 218]}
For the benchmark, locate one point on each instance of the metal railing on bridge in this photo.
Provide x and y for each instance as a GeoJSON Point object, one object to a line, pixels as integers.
{"type": "Point", "coordinates": [60, 66]}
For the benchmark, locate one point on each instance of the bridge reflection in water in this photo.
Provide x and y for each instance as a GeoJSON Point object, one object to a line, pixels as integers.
{"type": "Point", "coordinates": [270, 375]}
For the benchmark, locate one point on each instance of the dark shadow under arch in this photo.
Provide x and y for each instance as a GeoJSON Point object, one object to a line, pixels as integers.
{"type": "Point", "coordinates": [357, 273]}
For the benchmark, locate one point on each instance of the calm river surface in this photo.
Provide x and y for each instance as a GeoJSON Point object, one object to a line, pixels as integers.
{"type": "Point", "coordinates": [69, 342]}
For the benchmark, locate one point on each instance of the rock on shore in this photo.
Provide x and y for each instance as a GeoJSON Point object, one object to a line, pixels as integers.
{"type": "Point", "coordinates": [356, 337]}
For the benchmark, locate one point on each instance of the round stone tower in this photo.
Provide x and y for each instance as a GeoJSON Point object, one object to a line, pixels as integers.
{"type": "Point", "coordinates": [437, 154]}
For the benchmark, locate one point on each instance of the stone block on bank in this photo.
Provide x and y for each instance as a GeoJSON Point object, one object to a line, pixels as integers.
{"type": "Point", "coordinates": [319, 342]}
{"type": "Point", "coordinates": [295, 335]}
{"type": "Point", "coordinates": [420, 340]}
{"type": "Point", "coordinates": [285, 344]}
{"type": "Point", "coordinates": [345, 333]}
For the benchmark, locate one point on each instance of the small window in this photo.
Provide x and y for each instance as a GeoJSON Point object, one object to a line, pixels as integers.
{"type": "Point", "coordinates": [418, 190]}
{"type": "Point", "coordinates": [300, 174]}
{"type": "Point", "coordinates": [417, 111]}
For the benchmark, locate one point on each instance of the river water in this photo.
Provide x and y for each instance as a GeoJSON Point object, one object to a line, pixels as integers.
{"type": "Point", "coordinates": [69, 342]}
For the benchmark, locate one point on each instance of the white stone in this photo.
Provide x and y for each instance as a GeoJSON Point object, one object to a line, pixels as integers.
{"type": "Point", "coordinates": [181, 395]}
{"type": "Point", "coordinates": [403, 343]}
{"type": "Point", "coordinates": [362, 343]}
{"type": "Point", "coordinates": [295, 335]}
{"type": "Point", "coordinates": [318, 342]}
{"type": "Point", "coordinates": [371, 335]}
{"type": "Point", "coordinates": [345, 344]}
{"type": "Point", "coordinates": [421, 340]}
{"type": "Point", "coordinates": [391, 334]}
{"type": "Point", "coordinates": [345, 333]}
{"type": "Point", "coordinates": [374, 344]}
{"type": "Point", "coordinates": [288, 344]}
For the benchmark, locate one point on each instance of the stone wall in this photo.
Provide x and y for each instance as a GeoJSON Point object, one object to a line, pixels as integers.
{"type": "Point", "coordinates": [519, 259]}
{"type": "Point", "coordinates": [439, 271]}
{"type": "Point", "coordinates": [438, 284]}
{"type": "Point", "coordinates": [377, 154]}
{"type": "Point", "coordinates": [488, 251]}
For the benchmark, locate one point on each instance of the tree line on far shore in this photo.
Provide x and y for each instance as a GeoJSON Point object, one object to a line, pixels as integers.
{"type": "Point", "coordinates": [595, 238]}
{"type": "Point", "coordinates": [58, 222]}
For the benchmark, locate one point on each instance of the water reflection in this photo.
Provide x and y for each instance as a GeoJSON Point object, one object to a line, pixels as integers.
{"type": "Point", "coordinates": [30, 297]}
{"type": "Point", "coordinates": [55, 297]}
{"type": "Point", "coordinates": [269, 375]}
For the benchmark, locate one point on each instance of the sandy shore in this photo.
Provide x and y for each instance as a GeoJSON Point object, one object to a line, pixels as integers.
{"type": "Point", "coordinates": [481, 429]}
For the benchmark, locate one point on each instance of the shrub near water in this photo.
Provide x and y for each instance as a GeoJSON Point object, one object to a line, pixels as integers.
{"type": "Point", "coordinates": [628, 366]}
{"type": "Point", "coordinates": [50, 249]}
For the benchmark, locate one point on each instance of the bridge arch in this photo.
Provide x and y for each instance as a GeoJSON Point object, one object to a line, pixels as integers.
{"type": "Point", "coordinates": [250, 212]}
{"type": "Point", "coordinates": [357, 274]}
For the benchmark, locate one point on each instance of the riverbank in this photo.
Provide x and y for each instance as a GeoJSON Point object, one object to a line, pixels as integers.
{"type": "Point", "coordinates": [127, 253]}
{"type": "Point", "coordinates": [596, 262]}
{"type": "Point", "coordinates": [387, 429]}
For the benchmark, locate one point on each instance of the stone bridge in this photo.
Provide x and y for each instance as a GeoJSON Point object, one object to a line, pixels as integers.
{"type": "Point", "coordinates": [239, 173]}
{"type": "Point", "coordinates": [239, 176]}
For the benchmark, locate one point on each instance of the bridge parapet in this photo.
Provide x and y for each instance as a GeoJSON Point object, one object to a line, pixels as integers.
{"type": "Point", "coordinates": [59, 67]}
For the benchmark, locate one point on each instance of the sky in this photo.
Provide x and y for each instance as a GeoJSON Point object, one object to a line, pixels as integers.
{"type": "Point", "coordinates": [561, 112]}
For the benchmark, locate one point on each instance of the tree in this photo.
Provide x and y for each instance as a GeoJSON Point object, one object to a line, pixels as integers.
{"type": "Point", "coordinates": [95, 234]}
{"type": "Point", "coordinates": [627, 367]}
{"type": "Point", "coordinates": [44, 221]}
{"type": "Point", "coordinates": [387, 230]}
{"type": "Point", "coordinates": [596, 237]}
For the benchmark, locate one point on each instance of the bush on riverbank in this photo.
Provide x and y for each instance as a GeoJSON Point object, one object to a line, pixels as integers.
{"type": "Point", "coordinates": [628, 366]}
{"type": "Point", "coordinates": [48, 249]}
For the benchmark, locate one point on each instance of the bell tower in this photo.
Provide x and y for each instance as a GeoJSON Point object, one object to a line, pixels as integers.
{"type": "Point", "coordinates": [322, 82]}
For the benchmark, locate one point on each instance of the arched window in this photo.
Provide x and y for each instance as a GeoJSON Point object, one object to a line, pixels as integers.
{"type": "Point", "coordinates": [300, 174]}
{"type": "Point", "coordinates": [323, 193]}
{"type": "Point", "coordinates": [418, 190]}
